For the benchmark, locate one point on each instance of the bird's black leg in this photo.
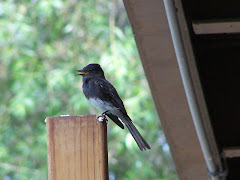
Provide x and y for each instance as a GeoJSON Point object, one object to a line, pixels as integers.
{"type": "Point", "coordinates": [104, 113]}
{"type": "Point", "coordinates": [103, 117]}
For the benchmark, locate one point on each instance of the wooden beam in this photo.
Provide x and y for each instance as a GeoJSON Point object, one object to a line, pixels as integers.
{"type": "Point", "coordinates": [77, 148]}
{"type": "Point", "coordinates": [231, 152]}
{"type": "Point", "coordinates": [212, 27]}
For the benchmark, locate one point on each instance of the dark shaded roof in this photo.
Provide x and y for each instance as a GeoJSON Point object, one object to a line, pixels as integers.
{"type": "Point", "coordinates": [211, 34]}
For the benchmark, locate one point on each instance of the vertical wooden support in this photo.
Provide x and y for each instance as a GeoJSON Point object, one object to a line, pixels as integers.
{"type": "Point", "coordinates": [77, 148]}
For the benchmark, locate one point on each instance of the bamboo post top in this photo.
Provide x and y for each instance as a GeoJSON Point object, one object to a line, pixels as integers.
{"type": "Point", "coordinates": [77, 148]}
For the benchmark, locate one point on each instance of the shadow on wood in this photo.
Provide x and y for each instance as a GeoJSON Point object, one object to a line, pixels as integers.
{"type": "Point", "coordinates": [77, 148]}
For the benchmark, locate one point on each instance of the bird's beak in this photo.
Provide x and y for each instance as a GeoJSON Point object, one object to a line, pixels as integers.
{"type": "Point", "coordinates": [82, 73]}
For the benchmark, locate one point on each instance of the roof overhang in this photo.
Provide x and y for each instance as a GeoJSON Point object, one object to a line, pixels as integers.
{"type": "Point", "coordinates": [151, 31]}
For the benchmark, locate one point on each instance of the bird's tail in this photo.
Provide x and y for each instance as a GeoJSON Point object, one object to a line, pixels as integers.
{"type": "Point", "coordinates": [142, 144]}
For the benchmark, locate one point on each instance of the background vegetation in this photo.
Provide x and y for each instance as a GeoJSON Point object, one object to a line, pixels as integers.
{"type": "Point", "coordinates": [42, 43]}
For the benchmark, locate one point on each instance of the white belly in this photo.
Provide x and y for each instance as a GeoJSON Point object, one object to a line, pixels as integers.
{"type": "Point", "coordinates": [101, 105]}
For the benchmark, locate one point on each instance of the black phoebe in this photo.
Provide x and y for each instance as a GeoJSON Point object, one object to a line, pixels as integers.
{"type": "Point", "coordinates": [104, 96]}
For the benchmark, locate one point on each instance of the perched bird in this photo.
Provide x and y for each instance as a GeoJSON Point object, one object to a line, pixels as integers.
{"type": "Point", "coordinates": [104, 96]}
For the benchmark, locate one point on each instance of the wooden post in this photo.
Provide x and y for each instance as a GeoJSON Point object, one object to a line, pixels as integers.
{"type": "Point", "coordinates": [77, 148]}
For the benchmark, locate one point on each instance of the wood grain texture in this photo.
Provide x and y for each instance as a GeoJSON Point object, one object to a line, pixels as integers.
{"type": "Point", "coordinates": [77, 148]}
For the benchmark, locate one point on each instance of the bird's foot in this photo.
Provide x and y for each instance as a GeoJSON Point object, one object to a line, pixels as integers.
{"type": "Point", "coordinates": [103, 117]}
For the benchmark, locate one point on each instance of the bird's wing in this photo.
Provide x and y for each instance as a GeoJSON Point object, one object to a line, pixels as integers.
{"type": "Point", "coordinates": [109, 93]}
{"type": "Point", "coordinates": [115, 119]}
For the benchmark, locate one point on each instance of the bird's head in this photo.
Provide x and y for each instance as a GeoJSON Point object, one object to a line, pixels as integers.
{"type": "Point", "coordinates": [91, 70]}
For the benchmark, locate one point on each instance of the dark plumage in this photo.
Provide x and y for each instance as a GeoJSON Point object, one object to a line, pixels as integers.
{"type": "Point", "coordinates": [104, 96]}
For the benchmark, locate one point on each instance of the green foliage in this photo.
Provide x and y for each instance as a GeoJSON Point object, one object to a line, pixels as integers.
{"type": "Point", "coordinates": [42, 44]}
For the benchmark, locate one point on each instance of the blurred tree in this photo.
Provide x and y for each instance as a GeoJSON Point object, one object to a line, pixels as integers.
{"type": "Point", "coordinates": [42, 43]}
